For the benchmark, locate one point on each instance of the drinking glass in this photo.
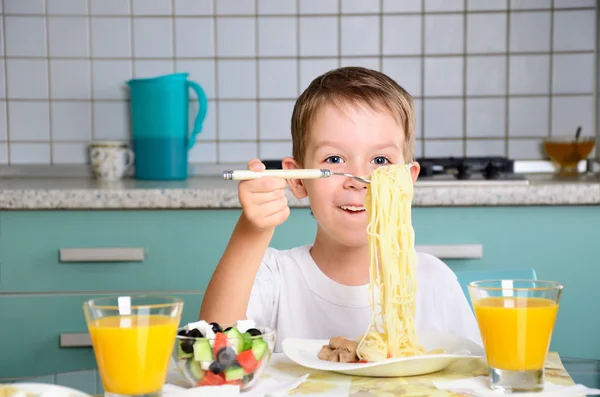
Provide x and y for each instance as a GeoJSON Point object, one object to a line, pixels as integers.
{"type": "Point", "coordinates": [133, 338]}
{"type": "Point", "coordinates": [516, 319]}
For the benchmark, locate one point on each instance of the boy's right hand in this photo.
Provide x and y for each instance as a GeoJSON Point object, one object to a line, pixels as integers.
{"type": "Point", "coordinates": [263, 200]}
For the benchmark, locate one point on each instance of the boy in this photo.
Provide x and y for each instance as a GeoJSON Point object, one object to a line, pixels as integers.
{"type": "Point", "coordinates": [349, 120]}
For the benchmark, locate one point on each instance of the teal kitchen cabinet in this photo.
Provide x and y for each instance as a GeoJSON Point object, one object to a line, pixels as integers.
{"type": "Point", "coordinates": [40, 295]}
{"type": "Point", "coordinates": [37, 333]}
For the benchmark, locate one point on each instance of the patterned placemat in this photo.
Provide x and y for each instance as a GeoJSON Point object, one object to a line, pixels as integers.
{"type": "Point", "coordinates": [330, 384]}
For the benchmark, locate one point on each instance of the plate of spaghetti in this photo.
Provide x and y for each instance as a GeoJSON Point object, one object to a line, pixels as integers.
{"type": "Point", "coordinates": [390, 346]}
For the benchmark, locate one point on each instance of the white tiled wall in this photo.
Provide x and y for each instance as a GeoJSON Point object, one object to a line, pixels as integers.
{"type": "Point", "coordinates": [490, 77]}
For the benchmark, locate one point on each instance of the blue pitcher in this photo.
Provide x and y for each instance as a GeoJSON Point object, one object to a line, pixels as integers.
{"type": "Point", "coordinates": [159, 120]}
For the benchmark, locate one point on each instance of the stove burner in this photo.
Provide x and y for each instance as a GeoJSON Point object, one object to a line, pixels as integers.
{"type": "Point", "coordinates": [466, 167]}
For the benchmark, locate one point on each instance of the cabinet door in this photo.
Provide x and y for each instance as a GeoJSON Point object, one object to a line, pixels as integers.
{"type": "Point", "coordinates": [101, 249]}
{"type": "Point", "coordinates": [110, 250]}
{"type": "Point", "coordinates": [559, 242]}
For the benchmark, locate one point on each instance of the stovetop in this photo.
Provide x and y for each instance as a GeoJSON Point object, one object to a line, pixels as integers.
{"type": "Point", "coordinates": [462, 170]}
{"type": "Point", "coordinates": [466, 168]}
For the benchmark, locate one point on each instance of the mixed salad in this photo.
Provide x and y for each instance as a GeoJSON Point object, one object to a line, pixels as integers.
{"type": "Point", "coordinates": [210, 355]}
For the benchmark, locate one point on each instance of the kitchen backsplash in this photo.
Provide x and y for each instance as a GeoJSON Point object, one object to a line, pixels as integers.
{"type": "Point", "coordinates": [490, 77]}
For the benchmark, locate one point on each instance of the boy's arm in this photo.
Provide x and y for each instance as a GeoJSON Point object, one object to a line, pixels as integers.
{"type": "Point", "coordinates": [264, 207]}
{"type": "Point", "coordinates": [227, 295]}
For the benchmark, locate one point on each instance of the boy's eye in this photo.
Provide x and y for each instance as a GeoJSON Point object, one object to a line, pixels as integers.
{"type": "Point", "coordinates": [380, 160]}
{"type": "Point", "coordinates": [334, 160]}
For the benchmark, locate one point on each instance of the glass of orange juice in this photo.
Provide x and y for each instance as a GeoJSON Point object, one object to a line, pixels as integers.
{"type": "Point", "coordinates": [133, 338]}
{"type": "Point", "coordinates": [516, 319]}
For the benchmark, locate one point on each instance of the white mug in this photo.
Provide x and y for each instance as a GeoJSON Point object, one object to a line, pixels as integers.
{"type": "Point", "coordinates": [110, 159]}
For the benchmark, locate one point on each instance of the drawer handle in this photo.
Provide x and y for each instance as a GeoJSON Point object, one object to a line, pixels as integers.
{"type": "Point", "coordinates": [101, 254]}
{"type": "Point", "coordinates": [453, 251]}
{"type": "Point", "coordinates": [75, 340]}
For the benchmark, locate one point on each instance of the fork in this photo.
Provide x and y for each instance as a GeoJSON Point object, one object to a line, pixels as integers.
{"type": "Point", "coordinates": [310, 173]}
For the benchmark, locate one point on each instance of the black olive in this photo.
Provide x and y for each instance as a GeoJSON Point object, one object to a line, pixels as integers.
{"type": "Point", "coordinates": [187, 346]}
{"type": "Point", "coordinates": [226, 356]}
{"type": "Point", "coordinates": [226, 329]}
{"type": "Point", "coordinates": [195, 333]}
{"type": "Point", "coordinates": [183, 332]}
{"type": "Point", "coordinates": [215, 368]}
{"type": "Point", "coordinates": [216, 327]}
{"type": "Point", "coordinates": [253, 332]}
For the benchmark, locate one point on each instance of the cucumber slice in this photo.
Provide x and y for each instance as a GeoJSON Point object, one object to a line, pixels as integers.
{"type": "Point", "coordinates": [247, 345]}
{"type": "Point", "coordinates": [202, 350]}
{"type": "Point", "coordinates": [234, 373]}
{"type": "Point", "coordinates": [235, 339]}
{"type": "Point", "coordinates": [259, 347]}
{"type": "Point", "coordinates": [196, 370]}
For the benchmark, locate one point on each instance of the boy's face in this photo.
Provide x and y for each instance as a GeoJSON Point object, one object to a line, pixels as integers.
{"type": "Point", "coordinates": [353, 140]}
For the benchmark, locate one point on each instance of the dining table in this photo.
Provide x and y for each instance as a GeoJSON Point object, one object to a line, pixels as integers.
{"type": "Point", "coordinates": [558, 370]}
{"type": "Point", "coordinates": [562, 371]}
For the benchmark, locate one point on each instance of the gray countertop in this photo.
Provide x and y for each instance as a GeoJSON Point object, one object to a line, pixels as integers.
{"type": "Point", "coordinates": [198, 192]}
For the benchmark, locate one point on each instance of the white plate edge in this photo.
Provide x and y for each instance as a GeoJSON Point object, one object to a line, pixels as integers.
{"type": "Point", "coordinates": [326, 365]}
{"type": "Point", "coordinates": [35, 385]}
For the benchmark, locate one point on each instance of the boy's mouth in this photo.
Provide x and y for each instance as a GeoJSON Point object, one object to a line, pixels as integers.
{"type": "Point", "coordinates": [353, 208]}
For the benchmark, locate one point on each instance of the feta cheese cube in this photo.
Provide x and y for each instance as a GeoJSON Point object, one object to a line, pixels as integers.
{"type": "Point", "coordinates": [196, 325]}
{"type": "Point", "coordinates": [245, 325]}
{"type": "Point", "coordinates": [205, 365]}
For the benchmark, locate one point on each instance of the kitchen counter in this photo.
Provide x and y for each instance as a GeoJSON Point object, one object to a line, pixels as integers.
{"type": "Point", "coordinates": [198, 192]}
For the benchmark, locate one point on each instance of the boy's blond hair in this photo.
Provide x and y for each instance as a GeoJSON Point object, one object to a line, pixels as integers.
{"type": "Point", "coordinates": [352, 85]}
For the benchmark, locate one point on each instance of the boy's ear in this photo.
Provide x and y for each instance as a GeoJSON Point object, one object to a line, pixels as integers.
{"type": "Point", "coordinates": [296, 185]}
{"type": "Point", "coordinates": [414, 171]}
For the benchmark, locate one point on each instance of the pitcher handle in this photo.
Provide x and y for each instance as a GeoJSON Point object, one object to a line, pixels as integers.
{"type": "Point", "coordinates": [202, 108]}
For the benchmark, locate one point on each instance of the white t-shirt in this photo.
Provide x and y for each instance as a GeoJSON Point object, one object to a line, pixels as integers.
{"type": "Point", "coordinates": [292, 295]}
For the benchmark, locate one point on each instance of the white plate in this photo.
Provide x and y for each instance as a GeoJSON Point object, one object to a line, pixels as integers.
{"type": "Point", "coordinates": [55, 390]}
{"type": "Point", "coordinates": [305, 352]}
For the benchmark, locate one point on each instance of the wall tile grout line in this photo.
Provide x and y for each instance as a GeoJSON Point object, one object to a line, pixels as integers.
{"type": "Point", "coordinates": [331, 14]}
{"type": "Point", "coordinates": [90, 52]}
{"type": "Point", "coordinates": [298, 58]}
{"type": "Point", "coordinates": [464, 78]}
{"type": "Point", "coordinates": [216, 82]}
{"type": "Point", "coordinates": [507, 84]}
{"type": "Point", "coordinates": [6, 98]}
{"type": "Point", "coordinates": [481, 138]}
{"type": "Point", "coordinates": [278, 99]}
{"type": "Point", "coordinates": [49, 87]}
{"type": "Point", "coordinates": [339, 33]}
{"type": "Point", "coordinates": [316, 57]}
{"type": "Point", "coordinates": [173, 36]}
{"type": "Point", "coordinates": [131, 39]}
{"type": "Point", "coordinates": [380, 56]}
{"type": "Point", "coordinates": [286, 99]}
{"type": "Point", "coordinates": [550, 69]}
{"type": "Point", "coordinates": [596, 83]}
{"type": "Point", "coordinates": [257, 62]}
{"type": "Point", "coordinates": [423, 102]}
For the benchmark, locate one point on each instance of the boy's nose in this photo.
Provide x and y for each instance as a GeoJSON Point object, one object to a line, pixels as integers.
{"type": "Point", "coordinates": [352, 183]}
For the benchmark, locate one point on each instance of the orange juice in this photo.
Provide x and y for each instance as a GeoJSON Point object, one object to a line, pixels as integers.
{"type": "Point", "coordinates": [133, 352]}
{"type": "Point", "coordinates": [516, 332]}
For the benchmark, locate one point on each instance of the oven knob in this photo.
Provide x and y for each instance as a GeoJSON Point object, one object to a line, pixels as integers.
{"type": "Point", "coordinates": [426, 170]}
{"type": "Point", "coordinates": [492, 171]}
{"type": "Point", "coordinates": [463, 171]}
